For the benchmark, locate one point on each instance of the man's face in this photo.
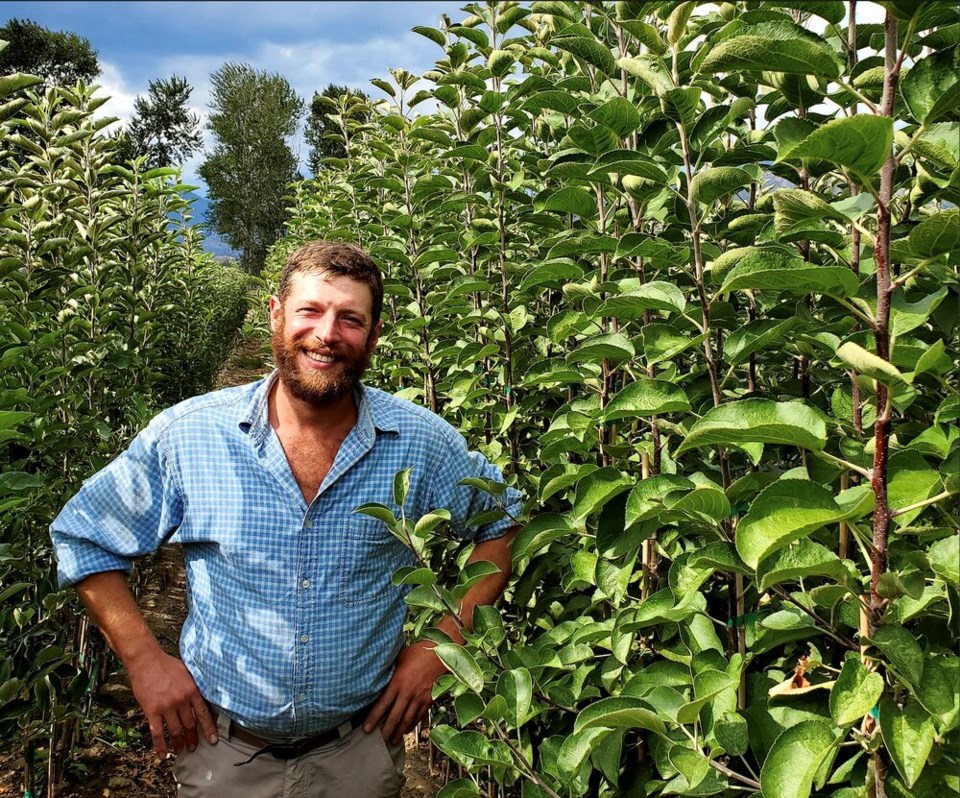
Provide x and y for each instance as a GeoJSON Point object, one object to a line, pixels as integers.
{"type": "Point", "coordinates": [322, 335]}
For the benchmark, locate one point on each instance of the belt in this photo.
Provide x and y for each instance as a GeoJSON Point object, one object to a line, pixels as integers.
{"type": "Point", "coordinates": [296, 748]}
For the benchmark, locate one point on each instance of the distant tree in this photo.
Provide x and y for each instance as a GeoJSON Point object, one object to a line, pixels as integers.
{"type": "Point", "coordinates": [162, 128]}
{"type": "Point", "coordinates": [59, 57]}
{"type": "Point", "coordinates": [253, 113]}
{"type": "Point", "coordinates": [124, 148]}
{"type": "Point", "coordinates": [325, 136]}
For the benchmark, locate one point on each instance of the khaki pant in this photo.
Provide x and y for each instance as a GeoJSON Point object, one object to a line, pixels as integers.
{"type": "Point", "coordinates": [357, 766]}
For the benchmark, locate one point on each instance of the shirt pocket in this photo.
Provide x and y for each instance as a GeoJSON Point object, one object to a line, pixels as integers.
{"type": "Point", "coordinates": [369, 555]}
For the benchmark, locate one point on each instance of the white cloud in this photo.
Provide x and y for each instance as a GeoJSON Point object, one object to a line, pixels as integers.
{"type": "Point", "coordinates": [121, 99]}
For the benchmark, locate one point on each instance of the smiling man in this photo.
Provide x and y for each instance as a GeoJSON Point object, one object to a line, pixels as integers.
{"type": "Point", "coordinates": [294, 677]}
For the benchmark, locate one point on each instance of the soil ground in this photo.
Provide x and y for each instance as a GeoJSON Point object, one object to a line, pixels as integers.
{"type": "Point", "coordinates": [117, 761]}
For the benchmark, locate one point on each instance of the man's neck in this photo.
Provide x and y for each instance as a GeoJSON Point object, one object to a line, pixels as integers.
{"type": "Point", "coordinates": [289, 413]}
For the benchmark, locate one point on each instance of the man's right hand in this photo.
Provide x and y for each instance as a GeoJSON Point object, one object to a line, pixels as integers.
{"type": "Point", "coordinates": [170, 699]}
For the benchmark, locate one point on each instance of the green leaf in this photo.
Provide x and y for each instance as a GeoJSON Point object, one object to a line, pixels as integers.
{"type": "Point", "coordinates": [470, 746]}
{"type": "Point", "coordinates": [681, 105]}
{"type": "Point", "coordinates": [775, 47]}
{"type": "Point", "coordinates": [901, 649]}
{"type": "Point", "coordinates": [783, 512]}
{"type": "Point", "coordinates": [554, 271]}
{"type": "Point", "coordinates": [648, 71]}
{"type": "Point", "coordinates": [401, 486]}
{"type": "Point", "coordinates": [646, 498]}
{"type": "Point", "coordinates": [611, 346]}
{"type": "Point", "coordinates": [501, 62]}
{"type": "Point", "coordinates": [619, 115]}
{"type": "Point", "coordinates": [664, 342]}
{"type": "Point", "coordinates": [516, 687]}
{"type": "Point", "coordinates": [869, 364]}
{"type": "Point", "coordinates": [910, 480]}
{"type": "Point", "coordinates": [709, 185]}
{"type": "Point", "coordinates": [806, 559]}
{"type": "Point", "coordinates": [755, 336]}
{"type": "Point", "coordinates": [908, 735]}
{"type": "Point", "coordinates": [855, 692]}
{"type": "Point", "coordinates": [561, 101]}
{"type": "Point", "coordinates": [646, 397]}
{"type": "Point", "coordinates": [906, 316]}
{"type": "Point", "coordinates": [758, 421]}
{"type": "Point", "coordinates": [630, 162]}
{"type": "Point", "coordinates": [590, 50]}
{"type": "Point", "coordinates": [571, 199]}
{"type": "Point", "coordinates": [707, 685]}
{"type": "Point", "coordinates": [577, 747]}
{"type": "Point", "coordinates": [461, 664]}
{"type": "Point", "coordinates": [596, 489]}
{"type": "Point", "coordinates": [931, 87]}
{"type": "Point", "coordinates": [17, 82]}
{"type": "Point", "coordinates": [944, 557]}
{"type": "Point", "coordinates": [794, 759]}
{"type": "Point", "coordinates": [939, 689]}
{"type": "Point", "coordinates": [656, 295]}
{"type": "Point", "coordinates": [431, 33]}
{"type": "Point", "coordinates": [13, 418]}
{"type": "Point", "coordinates": [619, 712]}
{"type": "Point", "coordinates": [859, 143]}
{"type": "Point", "coordinates": [730, 732]}
{"type": "Point", "coordinates": [773, 270]}
{"type": "Point", "coordinates": [937, 234]}
{"type": "Point", "coordinates": [934, 360]}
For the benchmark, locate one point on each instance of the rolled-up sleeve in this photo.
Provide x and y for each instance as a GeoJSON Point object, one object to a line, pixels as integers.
{"type": "Point", "coordinates": [466, 501]}
{"type": "Point", "coordinates": [125, 510]}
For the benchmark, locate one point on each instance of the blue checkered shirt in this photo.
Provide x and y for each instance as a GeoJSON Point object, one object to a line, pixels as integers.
{"type": "Point", "coordinates": [293, 622]}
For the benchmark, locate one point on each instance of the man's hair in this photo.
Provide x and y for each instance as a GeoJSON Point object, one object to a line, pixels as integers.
{"type": "Point", "coordinates": [339, 258]}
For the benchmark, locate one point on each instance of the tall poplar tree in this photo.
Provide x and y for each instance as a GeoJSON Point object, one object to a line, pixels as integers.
{"type": "Point", "coordinates": [253, 113]}
{"type": "Point", "coordinates": [163, 128]}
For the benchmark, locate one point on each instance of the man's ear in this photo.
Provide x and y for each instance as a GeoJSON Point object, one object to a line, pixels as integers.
{"type": "Point", "coordinates": [276, 310]}
{"type": "Point", "coordinates": [374, 336]}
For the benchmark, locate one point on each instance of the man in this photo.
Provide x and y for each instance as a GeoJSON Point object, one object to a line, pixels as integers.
{"type": "Point", "coordinates": [293, 661]}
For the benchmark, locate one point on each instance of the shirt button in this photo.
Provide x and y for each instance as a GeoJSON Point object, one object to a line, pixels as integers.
{"type": "Point", "coordinates": [305, 583]}
{"type": "Point", "coordinates": [308, 524]}
{"type": "Point", "coordinates": [304, 638]}
{"type": "Point", "coordinates": [302, 697]}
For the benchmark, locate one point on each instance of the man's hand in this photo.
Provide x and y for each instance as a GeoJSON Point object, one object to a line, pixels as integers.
{"type": "Point", "coordinates": [169, 698]}
{"type": "Point", "coordinates": [406, 699]}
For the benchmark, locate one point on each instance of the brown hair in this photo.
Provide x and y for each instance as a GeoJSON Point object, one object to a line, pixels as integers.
{"type": "Point", "coordinates": [335, 257]}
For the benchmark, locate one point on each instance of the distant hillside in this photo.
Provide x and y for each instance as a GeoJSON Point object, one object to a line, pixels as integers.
{"type": "Point", "coordinates": [212, 242]}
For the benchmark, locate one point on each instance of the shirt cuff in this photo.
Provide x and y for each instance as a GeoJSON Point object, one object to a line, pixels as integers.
{"type": "Point", "coordinates": [513, 505]}
{"type": "Point", "coordinates": [79, 559]}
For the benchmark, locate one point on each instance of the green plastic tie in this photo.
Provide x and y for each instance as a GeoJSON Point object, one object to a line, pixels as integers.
{"type": "Point", "coordinates": [875, 712]}
{"type": "Point", "coordinates": [743, 620]}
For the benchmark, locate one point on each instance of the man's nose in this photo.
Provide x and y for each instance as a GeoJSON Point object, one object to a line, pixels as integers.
{"type": "Point", "coordinates": [327, 329]}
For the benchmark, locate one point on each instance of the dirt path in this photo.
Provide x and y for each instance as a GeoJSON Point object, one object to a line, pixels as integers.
{"type": "Point", "coordinates": [118, 759]}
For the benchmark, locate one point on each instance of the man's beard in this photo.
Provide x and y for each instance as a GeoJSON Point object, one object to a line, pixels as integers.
{"type": "Point", "coordinates": [316, 388]}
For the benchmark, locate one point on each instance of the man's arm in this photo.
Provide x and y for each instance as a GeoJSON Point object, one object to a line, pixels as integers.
{"type": "Point", "coordinates": [161, 684]}
{"type": "Point", "coordinates": [408, 696]}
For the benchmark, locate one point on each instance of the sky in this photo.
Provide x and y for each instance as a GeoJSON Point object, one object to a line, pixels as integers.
{"type": "Point", "coordinates": [311, 44]}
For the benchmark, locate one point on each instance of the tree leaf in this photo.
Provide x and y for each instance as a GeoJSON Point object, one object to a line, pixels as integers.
{"type": "Point", "coordinates": [619, 115]}
{"type": "Point", "coordinates": [612, 346]}
{"type": "Point", "coordinates": [806, 559]}
{"type": "Point", "coordinates": [908, 735]}
{"type": "Point", "coordinates": [516, 687]}
{"type": "Point", "coordinates": [859, 143]}
{"type": "Point", "coordinates": [773, 270]}
{"type": "Point", "coordinates": [758, 421]}
{"type": "Point", "coordinates": [755, 336]}
{"type": "Point", "coordinates": [432, 34]}
{"type": "Point", "coordinates": [590, 50]}
{"type": "Point", "coordinates": [901, 649]}
{"type": "Point", "coordinates": [646, 498]}
{"type": "Point", "coordinates": [470, 746]}
{"type": "Point", "coordinates": [646, 397]}
{"type": "Point", "coordinates": [596, 489]}
{"type": "Point", "coordinates": [931, 88]}
{"type": "Point", "coordinates": [794, 759]}
{"type": "Point", "coordinates": [944, 557]}
{"type": "Point", "coordinates": [561, 101]}
{"type": "Point", "coordinates": [571, 199]}
{"type": "Point", "coordinates": [855, 692]}
{"type": "Point", "coordinates": [540, 531]}
{"type": "Point", "coordinates": [785, 511]}
{"type": "Point", "coordinates": [656, 295]}
{"type": "Point", "coordinates": [461, 664]}
{"type": "Point", "coordinates": [869, 364]}
{"type": "Point", "coordinates": [709, 185]}
{"type": "Point", "coordinates": [772, 46]}
{"type": "Point", "coordinates": [619, 712]}
{"type": "Point", "coordinates": [937, 234]}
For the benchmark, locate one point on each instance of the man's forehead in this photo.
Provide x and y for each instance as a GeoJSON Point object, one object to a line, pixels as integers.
{"type": "Point", "coordinates": [330, 284]}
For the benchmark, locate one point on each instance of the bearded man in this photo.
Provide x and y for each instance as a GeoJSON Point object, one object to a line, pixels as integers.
{"type": "Point", "coordinates": [294, 677]}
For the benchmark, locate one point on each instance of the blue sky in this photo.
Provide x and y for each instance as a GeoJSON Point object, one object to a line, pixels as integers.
{"type": "Point", "coordinates": [310, 43]}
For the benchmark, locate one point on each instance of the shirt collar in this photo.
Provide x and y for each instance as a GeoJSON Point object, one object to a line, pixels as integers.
{"type": "Point", "coordinates": [372, 411]}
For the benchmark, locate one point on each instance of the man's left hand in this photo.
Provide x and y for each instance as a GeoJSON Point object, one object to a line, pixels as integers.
{"type": "Point", "coordinates": [408, 696]}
